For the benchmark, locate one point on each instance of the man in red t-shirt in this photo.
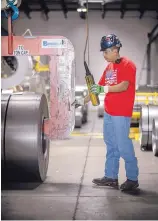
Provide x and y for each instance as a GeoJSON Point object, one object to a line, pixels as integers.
{"type": "Point", "coordinates": [118, 84]}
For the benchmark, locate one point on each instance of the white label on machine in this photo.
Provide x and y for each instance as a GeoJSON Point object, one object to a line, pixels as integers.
{"type": "Point", "coordinates": [20, 51]}
{"type": "Point", "coordinates": [53, 43]}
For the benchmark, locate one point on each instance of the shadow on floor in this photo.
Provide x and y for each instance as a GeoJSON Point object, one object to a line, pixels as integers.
{"type": "Point", "coordinates": [42, 187]}
{"type": "Point", "coordinates": [19, 186]}
{"type": "Point", "coordinates": [140, 192]}
{"type": "Point", "coordinates": [136, 192]}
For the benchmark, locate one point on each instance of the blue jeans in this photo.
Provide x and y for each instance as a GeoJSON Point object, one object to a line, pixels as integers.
{"type": "Point", "coordinates": [118, 143]}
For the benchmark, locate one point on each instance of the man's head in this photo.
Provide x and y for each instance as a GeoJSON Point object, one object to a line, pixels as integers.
{"type": "Point", "coordinates": [110, 45]}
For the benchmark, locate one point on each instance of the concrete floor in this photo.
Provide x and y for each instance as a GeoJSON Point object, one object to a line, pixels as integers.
{"type": "Point", "coordinates": [68, 192]}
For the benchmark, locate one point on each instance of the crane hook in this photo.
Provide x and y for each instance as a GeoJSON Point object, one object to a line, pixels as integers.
{"type": "Point", "coordinates": [15, 10]}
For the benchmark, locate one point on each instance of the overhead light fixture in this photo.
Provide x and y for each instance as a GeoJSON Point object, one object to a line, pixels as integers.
{"type": "Point", "coordinates": [82, 9]}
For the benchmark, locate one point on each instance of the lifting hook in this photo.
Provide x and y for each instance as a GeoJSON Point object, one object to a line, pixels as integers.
{"type": "Point", "coordinates": [14, 10]}
{"type": "Point", "coordinates": [12, 14]}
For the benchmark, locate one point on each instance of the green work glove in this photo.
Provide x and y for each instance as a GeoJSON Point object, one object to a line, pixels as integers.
{"type": "Point", "coordinates": [97, 89]}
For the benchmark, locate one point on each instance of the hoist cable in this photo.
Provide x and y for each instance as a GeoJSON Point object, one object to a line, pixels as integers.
{"type": "Point", "coordinates": [87, 34]}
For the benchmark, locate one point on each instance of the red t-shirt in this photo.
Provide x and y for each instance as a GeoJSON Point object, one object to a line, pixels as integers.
{"type": "Point", "coordinates": [120, 103]}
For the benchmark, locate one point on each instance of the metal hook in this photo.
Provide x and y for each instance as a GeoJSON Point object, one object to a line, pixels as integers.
{"type": "Point", "coordinates": [10, 2]}
{"type": "Point", "coordinates": [15, 11]}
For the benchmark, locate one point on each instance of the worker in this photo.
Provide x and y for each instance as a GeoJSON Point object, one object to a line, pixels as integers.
{"type": "Point", "coordinates": [118, 82]}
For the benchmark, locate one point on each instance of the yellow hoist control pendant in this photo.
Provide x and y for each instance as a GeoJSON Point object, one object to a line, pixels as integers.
{"type": "Point", "coordinates": [90, 81]}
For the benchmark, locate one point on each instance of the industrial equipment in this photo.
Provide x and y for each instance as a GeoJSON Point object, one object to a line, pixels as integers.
{"type": "Point", "coordinates": [90, 82]}
{"type": "Point", "coordinates": [155, 137]}
{"type": "Point", "coordinates": [79, 117]}
{"type": "Point", "coordinates": [29, 119]}
{"type": "Point", "coordinates": [142, 98]}
{"type": "Point", "coordinates": [81, 113]}
{"type": "Point", "coordinates": [21, 65]}
{"type": "Point", "coordinates": [4, 3]}
{"type": "Point", "coordinates": [4, 105]}
{"type": "Point", "coordinates": [100, 109]}
{"type": "Point", "coordinates": [147, 114]}
{"type": "Point", "coordinates": [25, 154]}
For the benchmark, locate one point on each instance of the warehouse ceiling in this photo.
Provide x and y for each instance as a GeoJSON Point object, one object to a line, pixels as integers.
{"type": "Point", "coordinates": [102, 6]}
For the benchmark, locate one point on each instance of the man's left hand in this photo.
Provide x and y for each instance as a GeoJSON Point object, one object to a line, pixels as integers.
{"type": "Point", "coordinates": [97, 89]}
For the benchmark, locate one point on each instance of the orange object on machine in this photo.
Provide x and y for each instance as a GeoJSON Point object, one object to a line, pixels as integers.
{"type": "Point", "coordinates": [10, 35]}
{"type": "Point", "coordinates": [46, 127]}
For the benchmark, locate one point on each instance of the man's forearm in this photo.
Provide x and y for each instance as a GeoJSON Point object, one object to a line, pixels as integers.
{"type": "Point", "coordinates": [119, 87]}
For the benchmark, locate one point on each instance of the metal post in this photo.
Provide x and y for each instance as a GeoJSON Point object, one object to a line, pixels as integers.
{"type": "Point", "coordinates": [149, 64]}
{"type": "Point", "coordinates": [151, 40]}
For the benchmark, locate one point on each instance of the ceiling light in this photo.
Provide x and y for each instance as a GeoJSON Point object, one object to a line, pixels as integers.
{"type": "Point", "coordinates": [82, 9]}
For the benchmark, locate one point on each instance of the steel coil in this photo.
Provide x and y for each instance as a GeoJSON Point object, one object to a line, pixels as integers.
{"type": "Point", "coordinates": [26, 147]}
{"type": "Point", "coordinates": [155, 137]}
{"type": "Point", "coordinates": [4, 106]}
{"type": "Point", "coordinates": [147, 114]}
{"type": "Point", "coordinates": [143, 99]}
{"type": "Point", "coordinates": [21, 66]}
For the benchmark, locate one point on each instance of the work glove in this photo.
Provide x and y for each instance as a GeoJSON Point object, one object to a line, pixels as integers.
{"type": "Point", "coordinates": [78, 102]}
{"type": "Point", "coordinates": [97, 89]}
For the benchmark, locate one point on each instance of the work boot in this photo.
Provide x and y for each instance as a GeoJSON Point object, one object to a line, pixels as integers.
{"type": "Point", "coordinates": [129, 185]}
{"type": "Point", "coordinates": [105, 181]}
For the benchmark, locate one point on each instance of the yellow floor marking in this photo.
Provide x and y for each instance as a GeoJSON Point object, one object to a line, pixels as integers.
{"type": "Point", "coordinates": [134, 134]}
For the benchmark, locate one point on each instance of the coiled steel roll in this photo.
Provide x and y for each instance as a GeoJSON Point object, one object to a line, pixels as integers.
{"type": "Point", "coordinates": [147, 114]}
{"type": "Point", "coordinates": [4, 107]}
{"type": "Point", "coordinates": [155, 137]}
{"type": "Point", "coordinates": [15, 70]}
{"type": "Point", "coordinates": [143, 99]}
{"type": "Point", "coordinates": [26, 147]}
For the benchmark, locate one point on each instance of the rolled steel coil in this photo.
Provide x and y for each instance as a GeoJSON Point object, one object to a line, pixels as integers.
{"type": "Point", "coordinates": [147, 114]}
{"type": "Point", "coordinates": [4, 107]}
{"type": "Point", "coordinates": [155, 137]}
{"type": "Point", "coordinates": [143, 99]}
{"type": "Point", "coordinates": [26, 147]}
{"type": "Point", "coordinates": [21, 67]}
